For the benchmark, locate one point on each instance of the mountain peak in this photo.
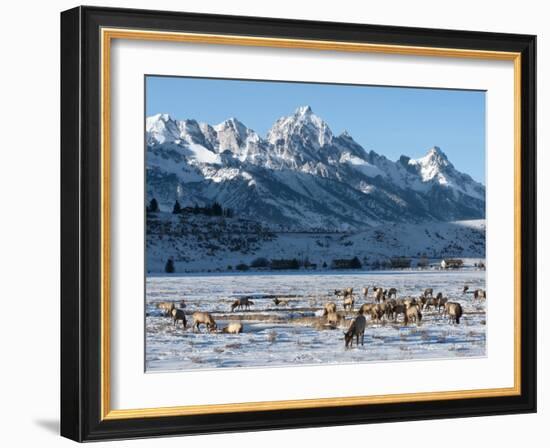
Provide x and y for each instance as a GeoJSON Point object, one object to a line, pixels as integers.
{"type": "Point", "coordinates": [302, 126]}
{"type": "Point", "coordinates": [160, 117]}
{"type": "Point", "coordinates": [436, 151]}
{"type": "Point", "coordinates": [303, 110]}
{"type": "Point", "coordinates": [161, 128]}
{"type": "Point", "coordinates": [231, 123]}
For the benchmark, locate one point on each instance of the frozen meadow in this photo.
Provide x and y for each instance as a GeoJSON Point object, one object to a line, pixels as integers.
{"type": "Point", "coordinates": [294, 333]}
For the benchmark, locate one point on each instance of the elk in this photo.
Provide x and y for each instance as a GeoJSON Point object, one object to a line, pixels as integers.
{"type": "Point", "coordinates": [480, 294]}
{"type": "Point", "coordinates": [396, 310]}
{"type": "Point", "coordinates": [178, 315]}
{"type": "Point", "coordinates": [357, 329]}
{"type": "Point", "coordinates": [330, 307]}
{"type": "Point", "coordinates": [392, 292]}
{"type": "Point", "coordinates": [429, 303]}
{"type": "Point", "coordinates": [205, 318]}
{"type": "Point", "coordinates": [278, 301]}
{"type": "Point", "coordinates": [454, 311]}
{"type": "Point", "coordinates": [440, 302]}
{"type": "Point", "coordinates": [243, 302]}
{"type": "Point", "coordinates": [421, 301]}
{"type": "Point", "coordinates": [412, 314]}
{"type": "Point", "coordinates": [366, 308]}
{"type": "Point", "coordinates": [365, 292]}
{"type": "Point", "coordinates": [349, 301]}
{"type": "Point", "coordinates": [166, 307]}
{"type": "Point", "coordinates": [465, 289]}
{"type": "Point", "coordinates": [428, 292]}
{"type": "Point", "coordinates": [343, 292]}
{"type": "Point", "coordinates": [379, 295]}
{"type": "Point", "coordinates": [233, 328]}
{"type": "Point", "coordinates": [333, 318]}
{"type": "Point", "coordinates": [378, 311]}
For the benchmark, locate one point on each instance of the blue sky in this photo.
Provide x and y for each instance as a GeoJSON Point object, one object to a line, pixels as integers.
{"type": "Point", "coordinates": [390, 120]}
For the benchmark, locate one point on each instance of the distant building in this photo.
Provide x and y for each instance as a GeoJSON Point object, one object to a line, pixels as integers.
{"type": "Point", "coordinates": [451, 263]}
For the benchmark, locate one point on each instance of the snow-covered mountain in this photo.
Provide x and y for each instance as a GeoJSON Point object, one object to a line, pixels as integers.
{"type": "Point", "coordinates": [301, 175]}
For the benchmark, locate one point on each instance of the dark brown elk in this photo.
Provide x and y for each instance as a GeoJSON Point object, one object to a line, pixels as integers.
{"type": "Point", "coordinates": [454, 311]}
{"type": "Point", "coordinates": [465, 289]}
{"type": "Point", "coordinates": [428, 292]}
{"type": "Point", "coordinates": [396, 310]}
{"type": "Point", "coordinates": [430, 302]}
{"type": "Point", "coordinates": [357, 330]}
{"type": "Point", "coordinates": [389, 309]}
{"type": "Point", "coordinates": [243, 302]}
{"type": "Point", "coordinates": [421, 301]}
{"type": "Point", "coordinates": [179, 315]}
{"type": "Point", "coordinates": [392, 292]}
{"type": "Point", "coordinates": [200, 318]}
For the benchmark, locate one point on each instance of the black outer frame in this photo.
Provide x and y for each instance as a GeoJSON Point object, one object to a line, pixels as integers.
{"type": "Point", "coordinates": [80, 224]}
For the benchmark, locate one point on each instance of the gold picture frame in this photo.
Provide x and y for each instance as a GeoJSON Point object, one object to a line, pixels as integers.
{"type": "Point", "coordinates": [105, 32]}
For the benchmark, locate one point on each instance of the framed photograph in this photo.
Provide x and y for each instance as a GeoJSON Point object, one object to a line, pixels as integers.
{"type": "Point", "coordinates": [273, 223]}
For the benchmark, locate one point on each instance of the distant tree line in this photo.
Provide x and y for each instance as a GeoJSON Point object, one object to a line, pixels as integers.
{"type": "Point", "coordinates": [215, 209]}
{"type": "Point", "coordinates": [346, 263]}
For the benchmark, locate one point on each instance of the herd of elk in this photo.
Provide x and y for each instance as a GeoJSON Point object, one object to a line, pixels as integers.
{"type": "Point", "coordinates": [387, 306]}
{"type": "Point", "coordinates": [169, 309]}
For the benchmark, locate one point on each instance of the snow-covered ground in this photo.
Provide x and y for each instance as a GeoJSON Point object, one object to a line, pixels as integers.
{"type": "Point", "coordinates": [292, 334]}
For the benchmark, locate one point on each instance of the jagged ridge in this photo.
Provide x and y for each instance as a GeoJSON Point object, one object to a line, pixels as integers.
{"type": "Point", "coordinates": [302, 176]}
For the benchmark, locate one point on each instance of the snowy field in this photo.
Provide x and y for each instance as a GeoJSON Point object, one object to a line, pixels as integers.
{"type": "Point", "coordinates": [294, 334]}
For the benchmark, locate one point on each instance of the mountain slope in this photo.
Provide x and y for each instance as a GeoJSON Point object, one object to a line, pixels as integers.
{"type": "Point", "coordinates": [301, 176]}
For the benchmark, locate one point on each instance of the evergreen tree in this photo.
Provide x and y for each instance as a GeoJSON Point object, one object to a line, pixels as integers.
{"type": "Point", "coordinates": [169, 268]}
{"type": "Point", "coordinates": [177, 208]}
{"type": "Point", "coordinates": [153, 206]}
{"type": "Point", "coordinates": [217, 209]}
